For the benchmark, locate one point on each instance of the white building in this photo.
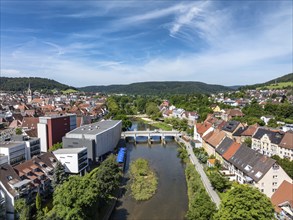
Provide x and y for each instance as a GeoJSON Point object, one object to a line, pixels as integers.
{"type": "Point", "coordinates": [75, 160]}
{"type": "Point", "coordinates": [99, 138]}
{"type": "Point", "coordinates": [14, 150]}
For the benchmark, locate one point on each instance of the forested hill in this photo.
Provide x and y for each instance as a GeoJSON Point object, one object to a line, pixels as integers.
{"type": "Point", "coordinates": [36, 83]}
{"type": "Point", "coordinates": [157, 88]}
{"type": "Point", "coordinates": [283, 81]}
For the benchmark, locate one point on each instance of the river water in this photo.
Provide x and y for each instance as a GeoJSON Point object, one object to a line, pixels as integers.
{"type": "Point", "coordinates": [170, 200]}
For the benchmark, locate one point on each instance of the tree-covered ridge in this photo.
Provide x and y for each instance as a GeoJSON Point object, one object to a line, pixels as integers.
{"type": "Point", "coordinates": [283, 79]}
{"type": "Point", "coordinates": [36, 83]}
{"type": "Point", "coordinates": [157, 88]}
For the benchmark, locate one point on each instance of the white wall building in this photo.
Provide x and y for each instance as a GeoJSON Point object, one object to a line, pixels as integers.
{"type": "Point", "coordinates": [15, 151]}
{"type": "Point", "coordinates": [75, 160]}
{"type": "Point", "coordinates": [99, 138]}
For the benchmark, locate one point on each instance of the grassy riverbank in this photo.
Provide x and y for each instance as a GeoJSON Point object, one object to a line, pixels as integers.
{"type": "Point", "coordinates": [200, 205]}
{"type": "Point", "coordinates": [144, 182]}
{"type": "Point", "coordinates": [163, 126]}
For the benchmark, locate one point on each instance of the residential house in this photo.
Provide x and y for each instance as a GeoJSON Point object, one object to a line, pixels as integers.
{"type": "Point", "coordinates": [229, 114]}
{"type": "Point", "coordinates": [230, 127]}
{"type": "Point", "coordinates": [282, 201]}
{"type": "Point", "coordinates": [256, 169]}
{"type": "Point", "coordinates": [200, 130]}
{"type": "Point", "coordinates": [267, 142]}
{"type": "Point", "coordinates": [286, 146]}
{"type": "Point", "coordinates": [222, 148]}
{"type": "Point", "coordinates": [212, 140]}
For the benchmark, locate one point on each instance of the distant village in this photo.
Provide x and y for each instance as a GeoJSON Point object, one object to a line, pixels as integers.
{"type": "Point", "coordinates": [32, 123]}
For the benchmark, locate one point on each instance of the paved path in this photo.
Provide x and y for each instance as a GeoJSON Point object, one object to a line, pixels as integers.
{"type": "Point", "coordinates": [206, 182]}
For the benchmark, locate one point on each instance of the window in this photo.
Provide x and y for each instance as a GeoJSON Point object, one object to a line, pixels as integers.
{"type": "Point", "coordinates": [274, 190]}
{"type": "Point", "coordinates": [275, 176]}
{"type": "Point", "coordinates": [275, 183]}
{"type": "Point", "coordinates": [262, 184]}
{"type": "Point", "coordinates": [262, 190]}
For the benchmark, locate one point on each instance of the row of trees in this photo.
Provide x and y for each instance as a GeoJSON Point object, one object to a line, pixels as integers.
{"type": "Point", "coordinates": [200, 205]}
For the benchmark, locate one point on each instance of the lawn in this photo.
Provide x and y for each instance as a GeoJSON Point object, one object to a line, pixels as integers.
{"type": "Point", "coordinates": [162, 126]}
{"type": "Point", "coordinates": [278, 85]}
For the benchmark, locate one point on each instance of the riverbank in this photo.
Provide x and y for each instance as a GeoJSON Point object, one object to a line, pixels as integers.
{"type": "Point", "coordinates": [200, 205]}
{"type": "Point", "coordinates": [144, 181]}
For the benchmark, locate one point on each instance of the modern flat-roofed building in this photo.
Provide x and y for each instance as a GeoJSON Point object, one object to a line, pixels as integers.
{"type": "Point", "coordinates": [99, 138]}
{"type": "Point", "coordinates": [33, 146]}
{"type": "Point", "coordinates": [14, 150]}
{"type": "Point", "coordinates": [51, 129]}
{"type": "Point", "coordinates": [74, 160]}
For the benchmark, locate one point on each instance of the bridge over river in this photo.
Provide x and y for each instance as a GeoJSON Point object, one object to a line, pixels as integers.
{"type": "Point", "coordinates": [151, 134]}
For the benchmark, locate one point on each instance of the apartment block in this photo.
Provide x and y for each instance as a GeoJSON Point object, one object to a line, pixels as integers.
{"type": "Point", "coordinates": [14, 150]}
{"type": "Point", "coordinates": [51, 129]}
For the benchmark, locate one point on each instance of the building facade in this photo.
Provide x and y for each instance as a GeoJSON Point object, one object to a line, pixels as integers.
{"type": "Point", "coordinates": [99, 138]}
{"type": "Point", "coordinates": [75, 160]}
{"type": "Point", "coordinates": [51, 129]}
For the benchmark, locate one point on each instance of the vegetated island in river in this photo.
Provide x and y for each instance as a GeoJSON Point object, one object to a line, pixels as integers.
{"type": "Point", "coordinates": [144, 181]}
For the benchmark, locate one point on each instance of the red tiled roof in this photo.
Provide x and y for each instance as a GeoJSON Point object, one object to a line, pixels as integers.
{"type": "Point", "coordinates": [250, 130]}
{"type": "Point", "coordinates": [231, 151]}
{"type": "Point", "coordinates": [30, 122]}
{"type": "Point", "coordinates": [283, 194]}
{"type": "Point", "coordinates": [212, 161]}
{"type": "Point", "coordinates": [216, 138]}
{"type": "Point", "coordinates": [202, 128]}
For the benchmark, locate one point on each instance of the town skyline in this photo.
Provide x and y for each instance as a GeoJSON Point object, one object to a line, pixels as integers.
{"type": "Point", "coordinates": [103, 43]}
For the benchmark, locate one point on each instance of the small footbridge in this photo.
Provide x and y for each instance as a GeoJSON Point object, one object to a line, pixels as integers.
{"type": "Point", "coordinates": [151, 135]}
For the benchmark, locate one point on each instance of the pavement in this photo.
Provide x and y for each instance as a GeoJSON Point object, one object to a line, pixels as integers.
{"type": "Point", "coordinates": [205, 180]}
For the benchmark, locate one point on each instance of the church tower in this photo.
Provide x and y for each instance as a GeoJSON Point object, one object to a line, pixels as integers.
{"type": "Point", "coordinates": [29, 94]}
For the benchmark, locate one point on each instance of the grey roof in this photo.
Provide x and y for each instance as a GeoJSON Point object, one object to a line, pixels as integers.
{"type": "Point", "coordinates": [252, 163]}
{"type": "Point", "coordinates": [9, 144]}
{"type": "Point", "coordinates": [275, 136]}
{"type": "Point", "coordinates": [230, 126]}
{"type": "Point", "coordinates": [69, 150]}
{"type": "Point", "coordinates": [239, 131]}
{"type": "Point", "coordinates": [224, 146]}
{"type": "Point", "coordinates": [95, 128]}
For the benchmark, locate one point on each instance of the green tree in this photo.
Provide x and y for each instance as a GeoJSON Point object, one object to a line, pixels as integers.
{"type": "Point", "coordinates": [59, 175]}
{"type": "Point", "coordinates": [201, 207]}
{"type": "Point", "coordinates": [22, 209]}
{"type": "Point", "coordinates": [38, 202]}
{"type": "Point", "coordinates": [219, 182]}
{"type": "Point", "coordinates": [248, 142]}
{"type": "Point", "coordinates": [152, 110]}
{"type": "Point", "coordinates": [18, 131]}
{"type": "Point", "coordinates": [39, 207]}
{"type": "Point", "coordinates": [245, 202]}
{"type": "Point", "coordinates": [55, 147]}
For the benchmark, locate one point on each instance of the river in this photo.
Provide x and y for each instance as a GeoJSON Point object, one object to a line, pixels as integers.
{"type": "Point", "coordinates": [170, 200]}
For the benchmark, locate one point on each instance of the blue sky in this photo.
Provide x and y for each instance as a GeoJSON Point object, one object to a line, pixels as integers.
{"type": "Point", "coordinates": [84, 43]}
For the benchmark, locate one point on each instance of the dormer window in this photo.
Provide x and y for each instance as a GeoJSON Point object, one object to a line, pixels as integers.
{"type": "Point", "coordinates": [9, 178]}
